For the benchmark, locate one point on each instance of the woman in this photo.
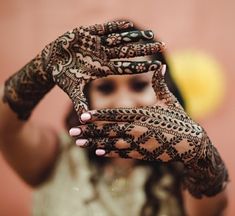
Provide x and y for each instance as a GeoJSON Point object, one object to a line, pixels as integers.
{"type": "Point", "coordinates": [156, 131]}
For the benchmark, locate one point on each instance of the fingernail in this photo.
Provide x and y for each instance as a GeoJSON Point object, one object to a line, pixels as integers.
{"type": "Point", "coordinates": [163, 46]}
{"type": "Point", "coordinates": [163, 69]}
{"type": "Point", "coordinates": [85, 116]}
{"type": "Point", "coordinates": [148, 34]}
{"type": "Point", "coordinates": [100, 152]}
{"type": "Point", "coordinates": [81, 142]}
{"type": "Point", "coordinates": [75, 131]}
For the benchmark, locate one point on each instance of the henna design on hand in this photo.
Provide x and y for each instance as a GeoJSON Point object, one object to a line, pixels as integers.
{"type": "Point", "coordinates": [125, 37]}
{"type": "Point", "coordinates": [76, 58]}
{"type": "Point", "coordinates": [163, 132]}
{"type": "Point", "coordinates": [89, 58]}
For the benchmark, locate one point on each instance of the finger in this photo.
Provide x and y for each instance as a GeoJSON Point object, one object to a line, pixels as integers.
{"type": "Point", "coordinates": [103, 129]}
{"type": "Point", "coordinates": [73, 86]}
{"type": "Point", "coordinates": [120, 115]}
{"type": "Point", "coordinates": [79, 101]}
{"type": "Point", "coordinates": [161, 89]}
{"type": "Point", "coordinates": [115, 39]}
{"type": "Point", "coordinates": [110, 27]}
{"type": "Point", "coordinates": [134, 50]}
{"type": "Point", "coordinates": [109, 130]}
{"type": "Point", "coordinates": [109, 144]}
{"type": "Point", "coordinates": [133, 67]}
{"type": "Point", "coordinates": [122, 153]}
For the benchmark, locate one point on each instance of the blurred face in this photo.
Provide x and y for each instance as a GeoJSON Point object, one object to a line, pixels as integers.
{"type": "Point", "coordinates": [122, 91]}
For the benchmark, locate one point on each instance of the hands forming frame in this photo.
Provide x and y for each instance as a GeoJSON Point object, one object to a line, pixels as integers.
{"type": "Point", "coordinates": [162, 132]}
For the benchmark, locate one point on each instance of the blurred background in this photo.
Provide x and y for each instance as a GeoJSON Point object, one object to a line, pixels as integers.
{"type": "Point", "coordinates": [200, 45]}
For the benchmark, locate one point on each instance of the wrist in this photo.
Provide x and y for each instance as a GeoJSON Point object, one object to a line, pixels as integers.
{"type": "Point", "coordinates": [207, 173]}
{"type": "Point", "coordinates": [24, 89]}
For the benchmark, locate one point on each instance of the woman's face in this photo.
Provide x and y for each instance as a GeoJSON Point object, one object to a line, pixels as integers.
{"type": "Point", "coordinates": [122, 91]}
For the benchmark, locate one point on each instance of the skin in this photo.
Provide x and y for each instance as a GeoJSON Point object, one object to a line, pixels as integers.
{"type": "Point", "coordinates": [37, 144]}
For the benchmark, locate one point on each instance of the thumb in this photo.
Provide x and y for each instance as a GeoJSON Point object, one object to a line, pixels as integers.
{"type": "Point", "coordinates": [161, 90]}
{"type": "Point", "coordinates": [79, 100]}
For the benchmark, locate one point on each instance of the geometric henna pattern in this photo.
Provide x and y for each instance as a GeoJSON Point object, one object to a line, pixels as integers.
{"type": "Point", "coordinates": [76, 58]}
{"type": "Point", "coordinates": [163, 132]}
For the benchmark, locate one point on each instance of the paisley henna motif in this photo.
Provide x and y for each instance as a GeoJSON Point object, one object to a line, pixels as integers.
{"type": "Point", "coordinates": [163, 132]}
{"type": "Point", "coordinates": [76, 58]}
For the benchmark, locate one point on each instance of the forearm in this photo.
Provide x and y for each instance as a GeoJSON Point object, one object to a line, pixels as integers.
{"type": "Point", "coordinates": [206, 174]}
{"type": "Point", "coordinates": [209, 206]}
{"type": "Point", "coordinates": [24, 89]}
{"type": "Point", "coordinates": [28, 149]}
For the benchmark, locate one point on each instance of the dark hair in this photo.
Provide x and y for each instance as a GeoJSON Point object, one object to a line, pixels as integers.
{"type": "Point", "coordinates": [151, 206]}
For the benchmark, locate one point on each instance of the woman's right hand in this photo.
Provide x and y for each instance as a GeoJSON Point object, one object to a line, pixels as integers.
{"type": "Point", "coordinates": [88, 53]}
{"type": "Point", "coordinates": [76, 58]}
{"type": "Point", "coordinates": [162, 132]}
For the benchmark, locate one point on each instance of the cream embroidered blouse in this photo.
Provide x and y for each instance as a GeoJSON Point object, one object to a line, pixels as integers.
{"type": "Point", "coordinates": [69, 191]}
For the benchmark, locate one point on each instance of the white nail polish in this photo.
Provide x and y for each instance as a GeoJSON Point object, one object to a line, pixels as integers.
{"type": "Point", "coordinates": [85, 116]}
{"type": "Point", "coordinates": [75, 131]}
{"type": "Point", "coordinates": [100, 152]}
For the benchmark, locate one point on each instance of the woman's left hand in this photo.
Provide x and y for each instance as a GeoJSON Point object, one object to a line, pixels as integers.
{"type": "Point", "coordinates": [162, 132]}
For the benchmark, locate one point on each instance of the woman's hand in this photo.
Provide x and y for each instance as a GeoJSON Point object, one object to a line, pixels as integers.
{"type": "Point", "coordinates": [76, 58]}
{"type": "Point", "coordinates": [88, 53]}
{"type": "Point", "coordinates": [163, 132]}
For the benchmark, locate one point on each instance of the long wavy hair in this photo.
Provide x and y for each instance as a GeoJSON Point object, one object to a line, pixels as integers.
{"type": "Point", "coordinates": [151, 206]}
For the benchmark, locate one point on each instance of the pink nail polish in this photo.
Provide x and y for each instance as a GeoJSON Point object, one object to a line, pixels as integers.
{"type": "Point", "coordinates": [163, 69]}
{"type": "Point", "coordinates": [81, 142]}
{"type": "Point", "coordinates": [75, 131]}
{"type": "Point", "coordinates": [85, 116]}
{"type": "Point", "coordinates": [100, 152]}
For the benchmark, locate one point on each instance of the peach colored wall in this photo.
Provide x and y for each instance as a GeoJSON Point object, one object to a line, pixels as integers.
{"type": "Point", "coordinates": [27, 25]}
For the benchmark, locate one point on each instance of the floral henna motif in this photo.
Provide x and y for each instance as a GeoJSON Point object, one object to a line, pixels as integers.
{"type": "Point", "coordinates": [76, 58]}
{"type": "Point", "coordinates": [125, 37]}
{"type": "Point", "coordinates": [163, 132]}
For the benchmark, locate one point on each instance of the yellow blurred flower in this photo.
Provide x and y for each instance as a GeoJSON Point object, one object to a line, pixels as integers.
{"type": "Point", "coordinates": [200, 79]}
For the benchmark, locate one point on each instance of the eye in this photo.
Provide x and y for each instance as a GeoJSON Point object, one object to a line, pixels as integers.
{"type": "Point", "coordinates": [138, 85]}
{"type": "Point", "coordinates": [106, 87]}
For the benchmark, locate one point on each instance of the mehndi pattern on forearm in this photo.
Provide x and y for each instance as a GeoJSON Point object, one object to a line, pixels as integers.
{"type": "Point", "coordinates": [206, 175]}
{"type": "Point", "coordinates": [24, 89]}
